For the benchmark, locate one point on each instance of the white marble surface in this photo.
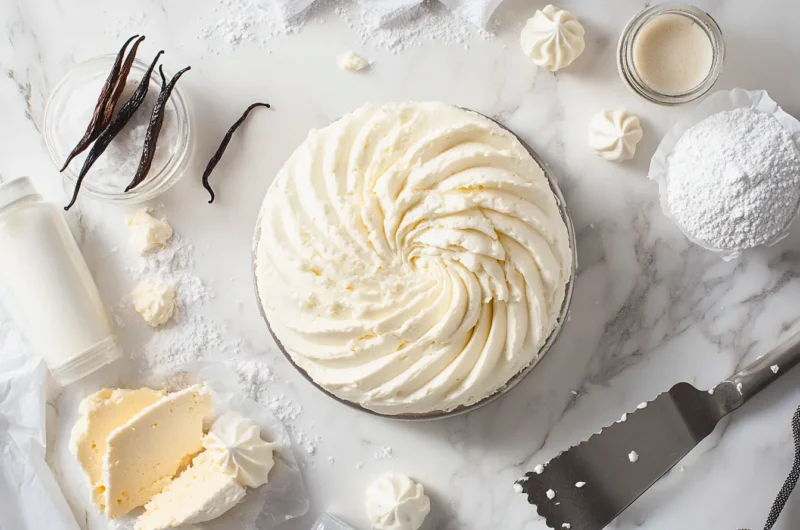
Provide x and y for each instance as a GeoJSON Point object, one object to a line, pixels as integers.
{"type": "Point", "coordinates": [649, 309]}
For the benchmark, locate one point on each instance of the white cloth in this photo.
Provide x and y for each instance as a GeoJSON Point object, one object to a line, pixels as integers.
{"type": "Point", "coordinates": [29, 494]}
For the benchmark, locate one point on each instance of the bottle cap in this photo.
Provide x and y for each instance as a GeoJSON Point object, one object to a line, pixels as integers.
{"type": "Point", "coordinates": [86, 362]}
{"type": "Point", "coordinates": [15, 190]}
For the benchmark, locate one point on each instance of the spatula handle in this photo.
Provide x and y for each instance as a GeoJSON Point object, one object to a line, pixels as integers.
{"type": "Point", "coordinates": [768, 368]}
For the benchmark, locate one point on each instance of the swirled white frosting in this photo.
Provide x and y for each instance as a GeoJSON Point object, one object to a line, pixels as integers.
{"type": "Point", "coordinates": [553, 38]}
{"type": "Point", "coordinates": [412, 257]}
{"type": "Point", "coordinates": [235, 444]}
{"type": "Point", "coordinates": [613, 134]}
{"type": "Point", "coordinates": [395, 502]}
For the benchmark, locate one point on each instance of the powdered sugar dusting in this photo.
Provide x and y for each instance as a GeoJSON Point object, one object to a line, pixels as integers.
{"type": "Point", "coordinates": [189, 335]}
{"type": "Point", "coordinates": [247, 22]}
{"type": "Point", "coordinates": [174, 264]}
{"type": "Point", "coordinates": [408, 28]}
{"type": "Point", "coordinates": [396, 26]}
{"type": "Point", "coordinates": [261, 385]}
{"type": "Point", "coordinates": [733, 180]}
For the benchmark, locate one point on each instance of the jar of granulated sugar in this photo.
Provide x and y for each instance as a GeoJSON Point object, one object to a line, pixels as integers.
{"type": "Point", "coordinates": [69, 111]}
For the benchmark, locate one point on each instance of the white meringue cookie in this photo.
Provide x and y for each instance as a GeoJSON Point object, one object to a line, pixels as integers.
{"type": "Point", "coordinates": [613, 134]}
{"type": "Point", "coordinates": [395, 502]}
{"type": "Point", "coordinates": [234, 442]}
{"type": "Point", "coordinates": [553, 38]}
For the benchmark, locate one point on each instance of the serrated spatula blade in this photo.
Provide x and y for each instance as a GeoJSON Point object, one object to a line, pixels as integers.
{"type": "Point", "coordinates": [587, 486]}
{"type": "Point", "coordinates": [594, 481]}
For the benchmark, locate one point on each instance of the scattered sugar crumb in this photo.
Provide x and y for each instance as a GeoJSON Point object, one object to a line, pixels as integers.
{"type": "Point", "coordinates": [580, 484]}
{"type": "Point", "coordinates": [774, 368]}
{"type": "Point", "coordinates": [539, 469]}
{"type": "Point", "coordinates": [384, 453]}
{"type": "Point", "coordinates": [633, 456]}
{"type": "Point", "coordinates": [642, 405]}
{"type": "Point", "coordinates": [624, 418]}
{"type": "Point", "coordinates": [331, 460]}
{"type": "Point", "coordinates": [550, 494]}
{"type": "Point", "coordinates": [518, 487]}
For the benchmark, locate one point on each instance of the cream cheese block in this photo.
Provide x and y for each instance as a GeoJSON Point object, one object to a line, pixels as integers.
{"type": "Point", "coordinates": [101, 413]}
{"type": "Point", "coordinates": [145, 453]}
{"type": "Point", "coordinates": [201, 493]}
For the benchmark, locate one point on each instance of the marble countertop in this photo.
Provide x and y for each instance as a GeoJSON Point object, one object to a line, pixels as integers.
{"type": "Point", "coordinates": [649, 308]}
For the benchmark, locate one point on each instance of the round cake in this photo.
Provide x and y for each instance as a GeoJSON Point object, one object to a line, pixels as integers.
{"type": "Point", "coordinates": [412, 257]}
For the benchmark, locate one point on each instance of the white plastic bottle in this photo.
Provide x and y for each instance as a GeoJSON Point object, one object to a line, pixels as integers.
{"type": "Point", "coordinates": [52, 287]}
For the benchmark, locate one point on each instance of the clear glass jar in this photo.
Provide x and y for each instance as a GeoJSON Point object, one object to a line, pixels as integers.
{"type": "Point", "coordinates": [53, 289]}
{"type": "Point", "coordinates": [329, 522]}
{"type": "Point", "coordinates": [626, 63]}
{"type": "Point", "coordinates": [160, 179]}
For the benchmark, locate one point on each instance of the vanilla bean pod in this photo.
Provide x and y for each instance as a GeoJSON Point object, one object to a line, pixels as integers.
{"type": "Point", "coordinates": [154, 127]}
{"type": "Point", "coordinates": [114, 127]}
{"type": "Point", "coordinates": [107, 101]}
{"type": "Point", "coordinates": [224, 145]}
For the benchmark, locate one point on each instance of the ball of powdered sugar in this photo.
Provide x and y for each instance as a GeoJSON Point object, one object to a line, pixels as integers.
{"type": "Point", "coordinates": [733, 180]}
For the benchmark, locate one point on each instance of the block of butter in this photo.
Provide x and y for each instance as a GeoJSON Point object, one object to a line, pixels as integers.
{"type": "Point", "coordinates": [146, 452]}
{"type": "Point", "coordinates": [101, 413]}
{"type": "Point", "coordinates": [201, 493]}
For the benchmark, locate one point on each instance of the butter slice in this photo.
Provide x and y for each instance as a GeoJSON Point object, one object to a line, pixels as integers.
{"type": "Point", "coordinates": [201, 493]}
{"type": "Point", "coordinates": [101, 413]}
{"type": "Point", "coordinates": [147, 451]}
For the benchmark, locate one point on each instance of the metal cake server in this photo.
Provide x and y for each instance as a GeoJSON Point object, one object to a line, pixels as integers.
{"type": "Point", "coordinates": [587, 486]}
